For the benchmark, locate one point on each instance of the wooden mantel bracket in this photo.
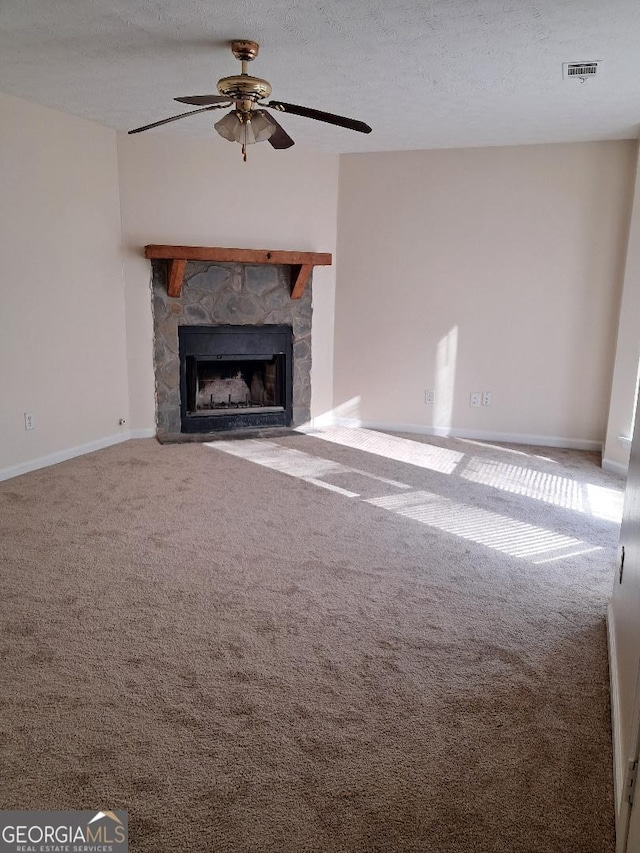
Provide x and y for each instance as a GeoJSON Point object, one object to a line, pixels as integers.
{"type": "Point", "coordinates": [301, 263]}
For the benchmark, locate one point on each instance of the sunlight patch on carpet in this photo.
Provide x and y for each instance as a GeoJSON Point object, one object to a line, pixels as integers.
{"type": "Point", "coordinates": [515, 538]}
{"type": "Point", "coordinates": [511, 450]}
{"type": "Point", "coordinates": [597, 501]}
{"type": "Point", "coordinates": [350, 482]}
{"type": "Point", "coordinates": [393, 447]}
{"type": "Point", "coordinates": [507, 535]}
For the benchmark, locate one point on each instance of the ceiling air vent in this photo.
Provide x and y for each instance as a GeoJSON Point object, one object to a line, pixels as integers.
{"type": "Point", "coordinates": [581, 70]}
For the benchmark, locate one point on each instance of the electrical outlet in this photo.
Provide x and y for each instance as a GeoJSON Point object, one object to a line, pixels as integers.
{"type": "Point", "coordinates": [475, 399]}
{"type": "Point", "coordinates": [28, 421]}
{"type": "Point", "coordinates": [429, 396]}
{"type": "Point", "coordinates": [486, 398]}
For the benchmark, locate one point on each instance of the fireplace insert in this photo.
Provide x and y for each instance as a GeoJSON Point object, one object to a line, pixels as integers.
{"type": "Point", "coordinates": [235, 377]}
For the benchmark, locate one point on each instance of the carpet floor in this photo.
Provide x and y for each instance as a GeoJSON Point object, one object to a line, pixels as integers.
{"type": "Point", "coordinates": [346, 641]}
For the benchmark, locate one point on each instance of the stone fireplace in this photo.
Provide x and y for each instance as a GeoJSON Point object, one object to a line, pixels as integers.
{"type": "Point", "coordinates": [232, 351]}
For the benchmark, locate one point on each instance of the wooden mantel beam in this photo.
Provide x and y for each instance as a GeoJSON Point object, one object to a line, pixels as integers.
{"type": "Point", "coordinates": [301, 263]}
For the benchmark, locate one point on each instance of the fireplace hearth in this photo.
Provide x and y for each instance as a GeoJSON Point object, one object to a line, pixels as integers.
{"type": "Point", "coordinates": [235, 377]}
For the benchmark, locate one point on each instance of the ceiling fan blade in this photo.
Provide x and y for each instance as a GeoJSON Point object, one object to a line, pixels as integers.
{"type": "Point", "coordinates": [173, 118]}
{"type": "Point", "coordinates": [319, 115]}
{"type": "Point", "coordinates": [203, 100]}
{"type": "Point", "coordinates": [279, 139]}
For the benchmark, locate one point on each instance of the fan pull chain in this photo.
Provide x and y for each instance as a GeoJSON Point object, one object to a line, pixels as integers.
{"type": "Point", "coordinates": [244, 151]}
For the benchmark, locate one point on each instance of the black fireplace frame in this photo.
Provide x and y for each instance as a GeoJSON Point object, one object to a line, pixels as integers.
{"type": "Point", "coordinates": [236, 343]}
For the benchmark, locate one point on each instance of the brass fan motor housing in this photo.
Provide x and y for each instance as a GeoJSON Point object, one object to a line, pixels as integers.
{"type": "Point", "coordinates": [243, 87]}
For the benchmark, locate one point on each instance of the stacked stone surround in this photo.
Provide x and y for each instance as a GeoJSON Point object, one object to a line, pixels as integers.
{"type": "Point", "coordinates": [220, 295]}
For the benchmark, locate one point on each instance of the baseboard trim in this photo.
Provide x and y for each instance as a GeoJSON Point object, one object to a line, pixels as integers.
{"type": "Point", "coordinates": [618, 758]}
{"type": "Point", "coordinates": [615, 467]}
{"type": "Point", "coordinates": [475, 435]}
{"type": "Point", "coordinates": [72, 452]}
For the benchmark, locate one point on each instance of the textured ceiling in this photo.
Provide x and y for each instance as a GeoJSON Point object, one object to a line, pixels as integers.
{"type": "Point", "coordinates": [445, 73]}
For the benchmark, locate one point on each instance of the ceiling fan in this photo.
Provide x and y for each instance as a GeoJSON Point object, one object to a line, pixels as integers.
{"type": "Point", "coordinates": [248, 122]}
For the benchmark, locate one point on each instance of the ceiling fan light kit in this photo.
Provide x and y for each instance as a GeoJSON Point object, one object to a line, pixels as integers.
{"type": "Point", "coordinates": [245, 129]}
{"type": "Point", "coordinates": [248, 123]}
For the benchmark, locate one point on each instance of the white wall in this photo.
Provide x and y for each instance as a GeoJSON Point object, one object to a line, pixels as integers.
{"type": "Point", "coordinates": [62, 340]}
{"type": "Point", "coordinates": [625, 376]}
{"type": "Point", "coordinates": [188, 191]}
{"type": "Point", "coordinates": [494, 269]}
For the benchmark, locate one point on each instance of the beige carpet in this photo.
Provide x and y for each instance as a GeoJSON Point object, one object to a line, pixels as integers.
{"type": "Point", "coordinates": [345, 643]}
